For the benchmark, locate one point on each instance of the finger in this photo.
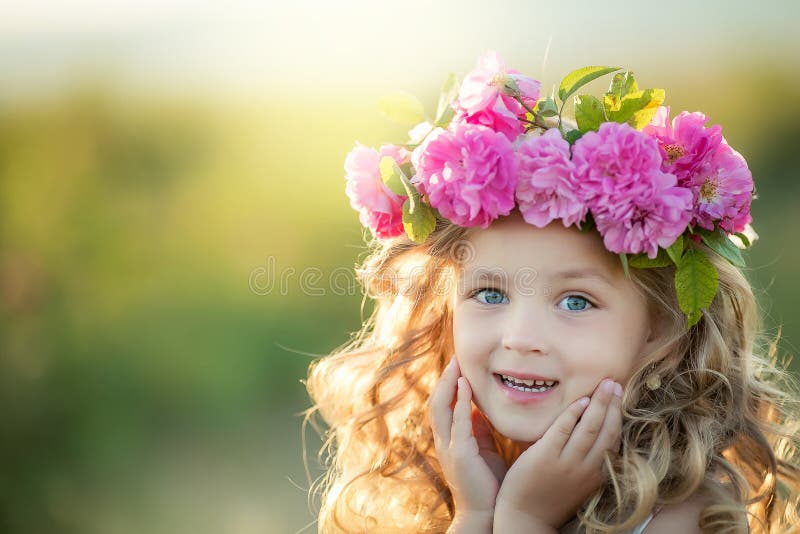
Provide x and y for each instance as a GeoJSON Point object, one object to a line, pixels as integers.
{"type": "Point", "coordinates": [559, 432]}
{"type": "Point", "coordinates": [609, 438]}
{"type": "Point", "coordinates": [482, 431]}
{"type": "Point", "coordinates": [441, 414]}
{"type": "Point", "coordinates": [588, 429]}
{"type": "Point", "coordinates": [462, 414]}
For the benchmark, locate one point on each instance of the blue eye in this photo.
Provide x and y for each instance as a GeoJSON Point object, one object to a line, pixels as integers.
{"type": "Point", "coordinates": [492, 296]}
{"type": "Point", "coordinates": [574, 303]}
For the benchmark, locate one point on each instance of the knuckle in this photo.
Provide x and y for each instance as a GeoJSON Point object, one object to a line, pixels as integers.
{"type": "Point", "coordinates": [564, 431]}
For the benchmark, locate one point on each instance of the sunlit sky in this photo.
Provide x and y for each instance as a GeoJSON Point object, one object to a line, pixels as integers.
{"type": "Point", "coordinates": [241, 45]}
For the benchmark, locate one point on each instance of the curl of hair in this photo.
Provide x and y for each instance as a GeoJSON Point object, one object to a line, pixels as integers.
{"type": "Point", "coordinates": [723, 423]}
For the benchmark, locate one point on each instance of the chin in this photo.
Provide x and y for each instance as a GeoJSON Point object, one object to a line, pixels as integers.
{"type": "Point", "coordinates": [514, 433]}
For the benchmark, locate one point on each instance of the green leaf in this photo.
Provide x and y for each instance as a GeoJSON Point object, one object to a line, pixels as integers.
{"type": "Point", "coordinates": [419, 220]}
{"type": "Point", "coordinates": [695, 283]}
{"type": "Point", "coordinates": [622, 84]}
{"type": "Point", "coordinates": [624, 259]}
{"type": "Point", "coordinates": [402, 108]}
{"type": "Point", "coordinates": [637, 109]}
{"type": "Point", "coordinates": [546, 107]}
{"type": "Point", "coordinates": [744, 238]}
{"type": "Point", "coordinates": [675, 250]}
{"type": "Point", "coordinates": [444, 111]}
{"type": "Point", "coordinates": [393, 177]}
{"type": "Point", "coordinates": [719, 242]}
{"type": "Point", "coordinates": [578, 78]}
{"type": "Point", "coordinates": [510, 86]}
{"type": "Point", "coordinates": [572, 136]}
{"type": "Point", "coordinates": [588, 113]}
{"type": "Point", "coordinates": [642, 261]}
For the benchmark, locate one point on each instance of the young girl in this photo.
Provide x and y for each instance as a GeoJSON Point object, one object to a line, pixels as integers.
{"type": "Point", "coordinates": [562, 339]}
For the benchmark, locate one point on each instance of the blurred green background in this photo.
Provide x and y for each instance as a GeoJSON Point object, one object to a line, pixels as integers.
{"type": "Point", "coordinates": [162, 165]}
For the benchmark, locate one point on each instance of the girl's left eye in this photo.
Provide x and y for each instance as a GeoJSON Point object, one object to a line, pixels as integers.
{"type": "Point", "coordinates": [574, 303]}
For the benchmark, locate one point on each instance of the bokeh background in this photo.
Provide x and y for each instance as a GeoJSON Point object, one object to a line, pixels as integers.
{"type": "Point", "coordinates": [168, 170]}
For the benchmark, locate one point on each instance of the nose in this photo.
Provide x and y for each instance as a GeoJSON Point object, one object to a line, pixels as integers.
{"type": "Point", "coordinates": [526, 330]}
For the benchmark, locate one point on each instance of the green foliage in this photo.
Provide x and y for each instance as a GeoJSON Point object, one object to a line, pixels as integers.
{"type": "Point", "coordinates": [419, 219]}
{"type": "Point", "coordinates": [696, 284]}
{"type": "Point", "coordinates": [394, 178]}
{"type": "Point", "coordinates": [572, 136]}
{"type": "Point", "coordinates": [588, 113]}
{"type": "Point", "coordinates": [642, 261]}
{"type": "Point", "coordinates": [578, 78]}
{"type": "Point", "coordinates": [625, 103]}
{"type": "Point", "coordinates": [546, 107]}
{"type": "Point", "coordinates": [675, 251]}
{"type": "Point", "coordinates": [719, 242]}
{"type": "Point", "coordinates": [444, 110]}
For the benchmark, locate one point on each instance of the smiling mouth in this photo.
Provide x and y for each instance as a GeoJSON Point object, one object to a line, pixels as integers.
{"type": "Point", "coordinates": [528, 386]}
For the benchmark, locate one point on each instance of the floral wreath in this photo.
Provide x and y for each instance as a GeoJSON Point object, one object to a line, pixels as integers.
{"type": "Point", "coordinates": [649, 186]}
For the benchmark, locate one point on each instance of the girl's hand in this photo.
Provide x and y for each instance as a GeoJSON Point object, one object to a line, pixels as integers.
{"type": "Point", "coordinates": [472, 467]}
{"type": "Point", "coordinates": [550, 480]}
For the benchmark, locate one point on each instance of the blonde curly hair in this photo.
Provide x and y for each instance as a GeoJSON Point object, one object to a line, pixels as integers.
{"type": "Point", "coordinates": [723, 422]}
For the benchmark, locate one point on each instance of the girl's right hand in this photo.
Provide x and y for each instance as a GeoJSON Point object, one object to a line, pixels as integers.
{"type": "Point", "coordinates": [472, 467]}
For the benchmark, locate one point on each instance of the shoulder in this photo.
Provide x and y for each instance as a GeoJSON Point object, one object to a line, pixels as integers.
{"type": "Point", "coordinates": [683, 517]}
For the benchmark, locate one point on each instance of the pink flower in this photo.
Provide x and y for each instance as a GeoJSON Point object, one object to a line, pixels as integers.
{"type": "Point", "coordinates": [379, 209]}
{"type": "Point", "coordinates": [547, 188]}
{"type": "Point", "coordinates": [684, 145]}
{"type": "Point", "coordinates": [723, 190]}
{"type": "Point", "coordinates": [637, 207]}
{"type": "Point", "coordinates": [483, 100]}
{"type": "Point", "coordinates": [469, 174]}
{"type": "Point", "coordinates": [701, 159]}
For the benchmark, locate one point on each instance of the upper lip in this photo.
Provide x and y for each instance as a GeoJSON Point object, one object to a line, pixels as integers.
{"type": "Point", "coordinates": [525, 376]}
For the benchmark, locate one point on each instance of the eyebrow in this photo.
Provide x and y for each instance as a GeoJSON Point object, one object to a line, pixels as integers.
{"type": "Point", "coordinates": [574, 274]}
{"type": "Point", "coordinates": [483, 273]}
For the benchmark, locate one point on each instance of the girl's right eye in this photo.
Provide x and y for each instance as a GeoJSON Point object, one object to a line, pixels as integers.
{"type": "Point", "coordinates": [491, 296]}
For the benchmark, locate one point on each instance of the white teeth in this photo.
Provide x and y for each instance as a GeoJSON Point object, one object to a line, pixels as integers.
{"type": "Point", "coordinates": [532, 385]}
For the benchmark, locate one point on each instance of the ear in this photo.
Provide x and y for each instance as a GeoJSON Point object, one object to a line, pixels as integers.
{"type": "Point", "coordinates": [657, 333]}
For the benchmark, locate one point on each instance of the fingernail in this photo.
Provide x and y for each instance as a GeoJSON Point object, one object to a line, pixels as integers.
{"type": "Point", "coordinates": [583, 401]}
{"type": "Point", "coordinates": [608, 386]}
{"type": "Point", "coordinates": [617, 389]}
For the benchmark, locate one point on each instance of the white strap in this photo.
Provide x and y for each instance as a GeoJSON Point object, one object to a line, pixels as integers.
{"type": "Point", "coordinates": [640, 528]}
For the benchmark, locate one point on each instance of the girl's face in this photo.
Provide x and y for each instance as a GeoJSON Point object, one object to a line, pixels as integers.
{"type": "Point", "coordinates": [549, 304]}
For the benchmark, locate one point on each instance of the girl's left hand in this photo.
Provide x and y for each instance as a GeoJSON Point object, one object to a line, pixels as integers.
{"type": "Point", "coordinates": [550, 480]}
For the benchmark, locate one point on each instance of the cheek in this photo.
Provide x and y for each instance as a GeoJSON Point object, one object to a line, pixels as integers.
{"type": "Point", "coordinates": [472, 343]}
{"type": "Point", "coordinates": [612, 354]}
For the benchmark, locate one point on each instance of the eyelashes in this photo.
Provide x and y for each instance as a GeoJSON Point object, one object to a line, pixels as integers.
{"type": "Point", "coordinates": [491, 290]}
{"type": "Point", "coordinates": [574, 302]}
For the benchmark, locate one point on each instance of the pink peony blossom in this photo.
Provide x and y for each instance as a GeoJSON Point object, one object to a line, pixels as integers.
{"type": "Point", "coordinates": [637, 207]}
{"type": "Point", "coordinates": [468, 173]}
{"type": "Point", "coordinates": [482, 98]}
{"type": "Point", "coordinates": [723, 190]}
{"type": "Point", "coordinates": [547, 188]}
{"type": "Point", "coordinates": [685, 144]}
{"type": "Point", "coordinates": [379, 209]}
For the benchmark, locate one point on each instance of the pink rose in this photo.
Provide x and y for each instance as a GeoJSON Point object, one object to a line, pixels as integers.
{"type": "Point", "coordinates": [686, 143]}
{"type": "Point", "coordinates": [483, 100]}
{"type": "Point", "coordinates": [637, 207]}
{"type": "Point", "coordinates": [379, 209]}
{"type": "Point", "coordinates": [469, 174]}
{"type": "Point", "coordinates": [547, 188]}
{"type": "Point", "coordinates": [723, 190]}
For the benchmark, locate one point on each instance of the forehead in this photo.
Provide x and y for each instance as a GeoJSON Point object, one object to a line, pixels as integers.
{"type": "Point", "coordinates": [510, 244]}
